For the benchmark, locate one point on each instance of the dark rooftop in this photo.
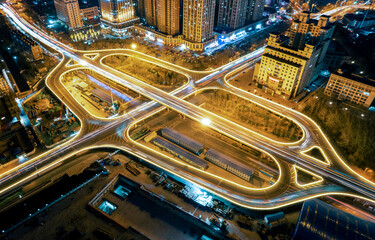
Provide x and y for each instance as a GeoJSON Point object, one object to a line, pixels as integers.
{"type": "Point", "coordinates": [351, 71]}
{"type": "Point", "coordinates": [88, 3]}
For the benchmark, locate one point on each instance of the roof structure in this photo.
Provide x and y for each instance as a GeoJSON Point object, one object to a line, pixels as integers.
{"type": "Point", "coordinates": [212, 153]}
{"type": "Point", "coordinates": [180, 152]}
{"type": "Point", "coordinates": [319, 220]}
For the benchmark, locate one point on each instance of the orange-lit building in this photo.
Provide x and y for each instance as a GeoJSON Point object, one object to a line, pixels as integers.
{"type": "Point", "coordinates": [117, 14]}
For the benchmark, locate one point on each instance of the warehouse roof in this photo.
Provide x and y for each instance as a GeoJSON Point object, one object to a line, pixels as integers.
{"type": "Point", "coordinates": [229, 161]}
{"type": "Point", "coordinates": [319, 220]}
{"type": "Point", "coordinates": [194, 144]}
{"type": "Point", "coordinates": [181, 152]}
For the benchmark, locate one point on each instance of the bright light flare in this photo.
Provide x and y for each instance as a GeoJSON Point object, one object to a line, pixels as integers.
{"type": "Point", "coordinates": [206, 121]}
{"type": "Point", "coordinates": [133, 46]}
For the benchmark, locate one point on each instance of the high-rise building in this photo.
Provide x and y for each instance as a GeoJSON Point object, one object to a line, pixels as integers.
{"type": "Point", "coordinates": [305, 30]}
{"type": "Point", "coordinates": [254, 10]}
{"type": "Point", "coordinates": [290, 62]}
{"type": "Point", "coordinates": [117, 13]}
{"type": "Point", "coordinates": [231, 14]}
{"type": "Point", "coordinates": [68, 11]}
{"type": "Point", "coordinates": [168, 17]}
{"type": "Point", "coordinates": [150, 12]}
{"type": "Point", "coordinates": [284, 70]}
{"type": "Point", "coordinates": [198, 20]}
{"type": "Point", "coordinates": [316, 32]}
{"type": "Point", "coordinates": [164, 15]}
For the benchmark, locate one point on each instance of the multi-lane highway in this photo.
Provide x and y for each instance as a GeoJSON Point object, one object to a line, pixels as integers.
{"type": "Point", "coordinates": [338, 177]}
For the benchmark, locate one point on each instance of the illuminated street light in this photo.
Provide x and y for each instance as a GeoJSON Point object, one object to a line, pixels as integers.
{"type": "Point", "coordinates": [206, 121]}
{"type": "Point", "coordinates": [134, 46]}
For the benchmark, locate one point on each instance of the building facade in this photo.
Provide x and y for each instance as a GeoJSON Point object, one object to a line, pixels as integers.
{"type": "Point", "coordinates": [170, 40]}
{"type": "Point", "coordinates": [254, 10]}
{"type": "Point", "coordinates": [69, 12]}
{"type": "Point", "coordinates": [198, 20]}
{"type": "Point", "coordinates": [164, 15]}
{"type": "Point", "coordinates": [316, 32]}
{"type": "Point", "coordinates": [230, 14]}
{"type": "Point", "coordinates": [290, 62]}
{"type": "Point", "coordinates": [117, 13]}
{"type": "Point", "coordinates": [150, 7]}
{"type": "Point", "coordinates": [168, 17]}
{"type": "Point", "coordinates": [90, 13]}
{"type": "Point", "coordinates": [351, 87]}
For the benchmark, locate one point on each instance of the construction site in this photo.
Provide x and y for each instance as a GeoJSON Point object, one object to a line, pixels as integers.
{"type": "Point", "coordinates": [100, 96]}
{"type": "Point", "coordinates": [51, 120]}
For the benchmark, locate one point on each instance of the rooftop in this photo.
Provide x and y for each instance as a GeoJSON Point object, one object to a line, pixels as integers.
{"type": "Point", "coordinates": [282, 60]}
{"type": "Point", "coordinates": [319, 220]}
{"type": "Point", "coordinates": [351, 72]}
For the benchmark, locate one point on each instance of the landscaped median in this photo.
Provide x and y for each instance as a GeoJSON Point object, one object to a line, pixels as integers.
{"type": "Point", "coordinates": [194, 147]}
{"type": "Point", "coordinates": [149, 73]}
{"type": "Point", "coordinates": [247, 114]}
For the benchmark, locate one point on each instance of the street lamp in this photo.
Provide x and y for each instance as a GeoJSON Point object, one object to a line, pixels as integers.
{"type": "Point", "coordinates": [206, 121]}
{"type": "Point", "coordinates": [134, 46]}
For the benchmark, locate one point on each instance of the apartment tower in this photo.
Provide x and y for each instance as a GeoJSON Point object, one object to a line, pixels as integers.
{"type": "Point", "coordinates": [198, 20]}
{"type": "Point", "coordinates": [254, 10]}
{"type": "Point", "coordinates": [164, 15]}
{"type": "Point", "coordinates": [231, 14]}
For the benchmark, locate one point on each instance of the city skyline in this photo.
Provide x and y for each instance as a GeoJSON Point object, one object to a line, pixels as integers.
{"type": "Point", "coordinates": [193, 119]}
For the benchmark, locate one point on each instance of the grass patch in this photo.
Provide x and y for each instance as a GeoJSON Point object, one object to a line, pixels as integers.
{"type": "Point", "coordinates": [316, 153]}
{"type": "Point", "coordinates": [149, 73]}
{"type": "Point", "coordinates": [248, 114]}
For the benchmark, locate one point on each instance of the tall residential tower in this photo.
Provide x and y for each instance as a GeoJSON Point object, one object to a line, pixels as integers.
{"type": "Point", "coordinates": [164, 15]}
{"type": "Point", "coordinates": [231, 14]}
{"type": "Point", "coordinates": [198, 20]}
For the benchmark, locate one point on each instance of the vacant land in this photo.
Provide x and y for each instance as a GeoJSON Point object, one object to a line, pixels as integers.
{"type": "Point", "coordinates": [248, 114]}
{"type": "Point", "coordinates": [149, 73]}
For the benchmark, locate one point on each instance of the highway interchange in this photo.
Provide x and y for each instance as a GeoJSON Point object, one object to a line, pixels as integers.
{"type": "Point", "coordinates": [95, 132]}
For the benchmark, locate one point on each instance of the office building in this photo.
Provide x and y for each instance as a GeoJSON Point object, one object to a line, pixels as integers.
{"type": "Point", "coordinates": [198, 20]}
{"type": "Point", "coordinates": [164, 15]}
{"type": "Point", "coordinates": [117, 13]}
{"type": "Point", "coordinates": [306, 30]}
{"type": "Point", "coordinates": [89, 10]}
{"type": "Point", "coordinates": [311, 31]}
{"type": "Point", "coordinates": [254, 10]}
{"type": "Point", "coordinates": [68, 11]}
{"type": "Point", "coordinates": [230, 14]}
{"type": "Point", "coordinates": [284, 70]}
{"type": "Point", "coordinates": [351, 87]}
{"type": "Point", "coordinates": [290, 62]}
